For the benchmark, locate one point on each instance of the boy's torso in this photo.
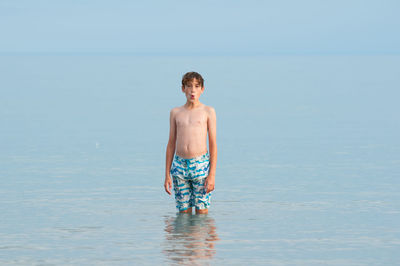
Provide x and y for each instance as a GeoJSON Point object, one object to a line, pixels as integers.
{"type": "Point", "coordinates": [191, 131]}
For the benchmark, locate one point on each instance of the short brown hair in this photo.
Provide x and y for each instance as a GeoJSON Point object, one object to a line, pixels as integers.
{"type": "Point", "coordinates": [189, 76]}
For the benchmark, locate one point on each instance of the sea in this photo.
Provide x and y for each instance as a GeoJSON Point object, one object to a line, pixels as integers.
{"type": "Point", "coordinates": [308, 168]}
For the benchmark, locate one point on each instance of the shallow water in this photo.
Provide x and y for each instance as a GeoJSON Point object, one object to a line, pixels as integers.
{"type": "Point", "coordinates": [307, 172]}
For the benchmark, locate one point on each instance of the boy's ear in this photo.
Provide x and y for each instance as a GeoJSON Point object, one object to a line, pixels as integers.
{"type": "Point", "coordinates": [183, 88]}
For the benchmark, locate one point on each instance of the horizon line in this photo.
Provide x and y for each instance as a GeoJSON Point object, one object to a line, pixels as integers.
{"type": "Point", "coordinates": [131, 53]}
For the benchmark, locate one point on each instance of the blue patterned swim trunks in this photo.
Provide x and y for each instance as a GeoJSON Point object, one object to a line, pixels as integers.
{"type": "Point", "coordinates": [189, 176]}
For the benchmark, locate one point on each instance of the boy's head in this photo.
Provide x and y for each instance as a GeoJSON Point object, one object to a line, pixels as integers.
{"type": "Point", "coordinates": [192, 86]}
{"type": "Point", "coordinates": [190, 77]}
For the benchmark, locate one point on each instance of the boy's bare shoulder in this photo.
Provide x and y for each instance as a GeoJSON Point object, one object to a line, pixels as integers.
{"type": "Point", "coordinates": [175, 110]}
{"type": "Point", "coordinates": [209, 110]}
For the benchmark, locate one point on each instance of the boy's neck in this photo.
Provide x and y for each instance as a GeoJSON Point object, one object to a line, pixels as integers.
{"type": "Point", "coordinates": [191, 105]}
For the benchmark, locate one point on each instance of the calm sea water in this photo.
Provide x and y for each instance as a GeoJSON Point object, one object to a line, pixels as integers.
{"type": "Point", "coordinates": [308, 167]}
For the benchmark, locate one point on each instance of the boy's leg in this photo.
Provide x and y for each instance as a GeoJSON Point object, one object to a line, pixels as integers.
{"type": "Point", "coordinates": [202, 199]}
{"type": "Point", "coordinates": [188, 210]}
{"type": "Point", "coordinates": [183, 194]}
{"type": "Point", "coordinates": [198, 211]}
{"type": "Point", "coordinates": [200, 172]}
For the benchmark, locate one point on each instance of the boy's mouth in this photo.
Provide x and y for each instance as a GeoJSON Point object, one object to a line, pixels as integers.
{"type": "Point", "coordinates": [191, 96]}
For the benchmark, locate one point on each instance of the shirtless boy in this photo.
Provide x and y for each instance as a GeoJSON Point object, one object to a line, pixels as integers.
{"type": "Point", "coordinates": [192, 168]}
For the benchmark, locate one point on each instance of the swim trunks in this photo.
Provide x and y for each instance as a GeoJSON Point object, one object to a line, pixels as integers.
{"type": "Point", "coordinates": [189, 176]}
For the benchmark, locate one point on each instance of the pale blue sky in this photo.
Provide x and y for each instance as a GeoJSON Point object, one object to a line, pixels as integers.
{"type": "Point", "coordinates": [200, 27]}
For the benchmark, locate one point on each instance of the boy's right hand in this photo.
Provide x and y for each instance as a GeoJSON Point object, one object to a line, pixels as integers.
{"type": "Point", "coordinates": [168, 185]}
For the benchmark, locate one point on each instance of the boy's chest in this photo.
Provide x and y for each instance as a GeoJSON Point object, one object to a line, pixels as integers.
{"type": "Point", "coordinates": [190, 119]}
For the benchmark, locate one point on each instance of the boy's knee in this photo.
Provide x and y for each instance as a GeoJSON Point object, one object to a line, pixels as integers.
{"type": "Point", "coordinates": [188, 210]}
{"type": "Point", "coordinates": [204, 211]}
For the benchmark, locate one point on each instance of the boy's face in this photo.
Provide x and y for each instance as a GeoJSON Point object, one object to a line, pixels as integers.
{"type": "Point", "coordinates": [192, 90]}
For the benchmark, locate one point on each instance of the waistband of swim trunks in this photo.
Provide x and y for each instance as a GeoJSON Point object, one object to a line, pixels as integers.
{"type": "Point", "coordinates": [200, 158]}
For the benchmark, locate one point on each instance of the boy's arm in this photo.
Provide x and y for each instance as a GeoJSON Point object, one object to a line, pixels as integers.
{"type": "Point", "coordinates": [170, 151]}
{"type": "Point", "coordinates": [212, 142]}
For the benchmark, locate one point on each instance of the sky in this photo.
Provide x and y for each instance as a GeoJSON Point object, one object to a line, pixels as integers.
{"type": "Point", "coordinates": [209, 27]}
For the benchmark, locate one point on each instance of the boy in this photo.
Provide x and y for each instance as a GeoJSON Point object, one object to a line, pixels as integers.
{"type": "Point", "coordinates": [192, 168]}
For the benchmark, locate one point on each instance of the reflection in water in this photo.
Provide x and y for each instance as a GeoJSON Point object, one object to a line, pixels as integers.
{"type": "Point", "coordinates": [190, 238]}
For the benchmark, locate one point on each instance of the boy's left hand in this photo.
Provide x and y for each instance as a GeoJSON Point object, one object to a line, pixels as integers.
{"type": "Point", "coordinates": [209, 184]}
